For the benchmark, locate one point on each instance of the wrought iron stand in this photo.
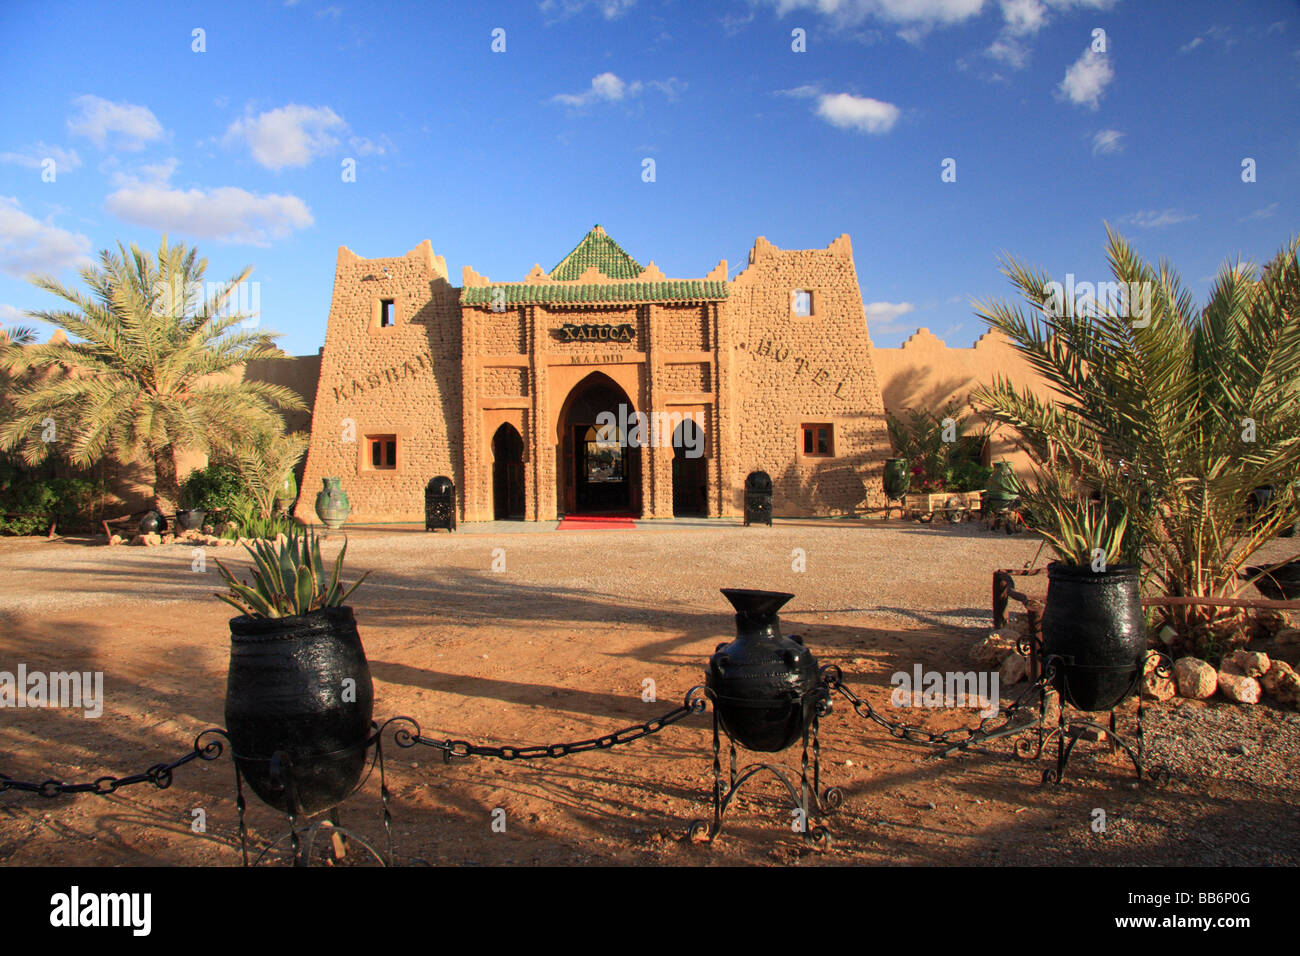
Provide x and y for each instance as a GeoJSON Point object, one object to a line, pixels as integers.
{"type": "Point", "coordinates": [1068, 732]}
{"type": "Point", "coordinates": [302, 836]}
{"type": "Point", "coordinates": [810, 802]}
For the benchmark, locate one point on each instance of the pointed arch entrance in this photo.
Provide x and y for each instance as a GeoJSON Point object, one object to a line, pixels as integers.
{"type": "Point", "coordinates": [507, 474]}
{"type": "Point", "coordinates": [598, 472]}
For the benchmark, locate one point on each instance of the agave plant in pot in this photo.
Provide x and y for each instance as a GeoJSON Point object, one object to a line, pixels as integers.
{"type": "Point", "coordinates": [299, 697]}
{"type": "Point", "coordinates": [1093, 623]}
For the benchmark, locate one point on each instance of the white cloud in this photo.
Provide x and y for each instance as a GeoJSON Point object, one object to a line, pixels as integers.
{"type": "Point", "coordinates": [884, 316]}
{"type": "Point", "coordinates": [28, 245]}
{"type": "Point", "coordinates": [857, 112]}
{"type": "Point", "coordinates": [1023, 16]}
{"type": "Point", "coordinates": [291, 135]}
{"type": "Point", "coordinates": [1010, 51]}
{"type": "Point", "coordinates": [226, 214]}
{"type": "Point", "coordinates": [609, 9]}
{"type": "Point", "coordinates": [606, 87]}
{"type": "Point", "coordinates": [1191, 45]}
{"type": "Point", "coordinates": [609, 88]}
{"type": "Point", "coordinates": [127, 125]}
{"type": "Point", "coordinates": [365, 146]}
{"type": "Point", "coordinates": [9, 313]}
{"type": "Point", "coordinates": [801, 91]}
{"type": "Point", "coordinates": [1266, 213]}
{"type": "Point", "coordinates": [1156, 218]}
{"type": "Point", "coordinates": [1107, 141]}
{"type": "Point", "coordinates": [1087, 78]}
{"type": "Point", "coordinates": [35, 156]}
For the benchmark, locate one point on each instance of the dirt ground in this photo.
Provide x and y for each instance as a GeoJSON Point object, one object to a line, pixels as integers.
{"type": "Point", "coordinates": [557, 646]}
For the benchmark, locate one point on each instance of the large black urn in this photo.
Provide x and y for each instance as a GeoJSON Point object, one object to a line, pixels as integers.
{"type": "Point", "coordinates": [298, 704]}
{"type": "Point", "coordinates": [1093, 624]}
{"type": "Point", "coordinates": [762, 684]}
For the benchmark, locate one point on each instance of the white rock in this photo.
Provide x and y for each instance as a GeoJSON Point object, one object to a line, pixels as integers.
{"type": "Point", "coordinates": [1238, 688]}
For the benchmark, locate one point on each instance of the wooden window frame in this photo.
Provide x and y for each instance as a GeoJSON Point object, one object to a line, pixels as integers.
{"type": "Point", "coordinates": [814, 428]}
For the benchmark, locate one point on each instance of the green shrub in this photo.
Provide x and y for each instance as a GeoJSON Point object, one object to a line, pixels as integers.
{"type": "Point", "coordinates": [217, 490]}
{"type": "Point", "coordinates": [32, 500]}
{"type": "Point", "coordinates": [251, 523]}
{"type": "Point", "coordinates": [967, 476]}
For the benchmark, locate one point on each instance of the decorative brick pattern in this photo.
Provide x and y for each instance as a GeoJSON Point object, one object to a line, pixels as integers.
{"type": "Point", "coordinates": [686, 378]}
{"type": "Point", "coordinates": [504, 382]}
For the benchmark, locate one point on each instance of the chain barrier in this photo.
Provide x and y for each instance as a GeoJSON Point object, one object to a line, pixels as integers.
{"type": "Point", "coordinates": [160, 774]}
{"type": "Point", "coordinates": [954, 738]}
{"type": "Point", "coordinates": [463, 748]}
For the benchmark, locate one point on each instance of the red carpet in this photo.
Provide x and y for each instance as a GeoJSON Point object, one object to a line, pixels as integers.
{"type": "Point", "coordinates": [597, 523]}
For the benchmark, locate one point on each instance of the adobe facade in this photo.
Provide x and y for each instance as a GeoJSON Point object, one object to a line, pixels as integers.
{"type": "Point", "coordinates": [509, 388]}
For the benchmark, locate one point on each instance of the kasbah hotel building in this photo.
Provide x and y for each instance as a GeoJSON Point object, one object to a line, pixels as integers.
{"type": "Point", "coordinates": [501, 387]}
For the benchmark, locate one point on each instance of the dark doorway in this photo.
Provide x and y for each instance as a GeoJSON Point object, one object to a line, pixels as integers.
{"type": "Point", "coordinates": [690, 472]}
{"type": "Point", "coordinates": [601, 473]}
{"type": "Point", "coordinates": [507, 474]}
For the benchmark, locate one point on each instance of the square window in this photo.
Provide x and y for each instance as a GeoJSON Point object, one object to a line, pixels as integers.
{"type": "Point", "coordinates": [801, 302]}
{"type": "Point", "coordinates": [818, 440]}
{"type": "Point", "coordinates": [387, 313]}
{"type": "Point", "coordinates": [383, 452]}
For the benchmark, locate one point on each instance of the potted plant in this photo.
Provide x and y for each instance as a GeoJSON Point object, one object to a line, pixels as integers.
{"type": "Point", "coordinates": [299, 697]}
{"type": "Point", "coordinates": [1093, 620]}
{"type": "Point", "coordinates": [189, 517]}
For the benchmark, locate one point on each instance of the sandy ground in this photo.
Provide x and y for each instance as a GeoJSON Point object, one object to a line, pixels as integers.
{"type": "Point", "coordinates": [557, 646]}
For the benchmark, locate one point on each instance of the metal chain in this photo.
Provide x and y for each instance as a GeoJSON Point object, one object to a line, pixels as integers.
{"type": "Point", "coordinates": [463, 748]}
{"type": "Point", "coordinates": [160, 775]}
{"type": "Point", "coordinates": [833, 678]}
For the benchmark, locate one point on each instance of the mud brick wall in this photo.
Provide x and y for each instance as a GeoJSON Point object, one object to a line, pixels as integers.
{"type": "Point", "coordinates": [686, 378]}
{"type": "Point", "coordinates": [791, 370]}
{"type": "Point", "coordinates": [403, 380]}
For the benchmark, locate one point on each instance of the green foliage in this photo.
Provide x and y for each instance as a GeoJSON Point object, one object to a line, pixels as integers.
{"type": "Point", "coordinates": [1074, 525]}
{"type": "Point", "coordinates": [936, 464]}
{"type": "Point", "coordinates": [216, 489]}
{"type": "Point", "coordinates": [33, 500]}
{"type": "Point", "coordinates": [1172, 419]}
{"type": "Point", "coordinates": [251, 523]}
{"type": "Point", "coordinates": [966, 475]}
{"type": "Point", "coordinates": [288, 579]}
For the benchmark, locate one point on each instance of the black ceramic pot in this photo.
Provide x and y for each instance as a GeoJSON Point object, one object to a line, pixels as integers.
{"type": "Point", "coordinates": [285, 694]}
{"type": "Point", "coordinates": [153, 523]}
{"type": "Point", "coordinates": [1280, 584]}
{"type": "Point", "coordinates": [1093, 620]}
{"type": "Point", "coordinates": [189, 520]}
{"type": "Point", "coordinates": [762, 684]}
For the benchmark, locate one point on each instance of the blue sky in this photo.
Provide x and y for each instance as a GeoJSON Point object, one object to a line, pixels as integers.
{"type": "Point", "coordinates": [504, 159]}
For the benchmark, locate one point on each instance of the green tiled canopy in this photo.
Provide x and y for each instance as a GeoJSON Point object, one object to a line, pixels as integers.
{"type": "Point", "coordinates": [677, 290]}
{"type": "Point", "coordinates": [597, 249]}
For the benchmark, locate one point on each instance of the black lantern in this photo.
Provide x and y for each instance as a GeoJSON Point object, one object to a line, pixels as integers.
{"type": "Point", "coordinates": [758, 499]}
{"type": "Point", "coordinates": [440, 504]}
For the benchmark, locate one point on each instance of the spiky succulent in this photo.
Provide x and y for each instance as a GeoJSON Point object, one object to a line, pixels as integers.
{"type": "Point", "coordinates": [288, 578]}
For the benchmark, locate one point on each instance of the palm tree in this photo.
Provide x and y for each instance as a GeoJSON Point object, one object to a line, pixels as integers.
{"type": "Point", "coordinates": [151, 367]}
{"type": "Point", "coordinates": [1173, 416]}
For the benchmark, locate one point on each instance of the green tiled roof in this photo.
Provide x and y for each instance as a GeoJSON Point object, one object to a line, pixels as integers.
{"type": "Point", "coordinates": [675, 290]}
{"type": "Point", "coordinates": [597, 249]}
